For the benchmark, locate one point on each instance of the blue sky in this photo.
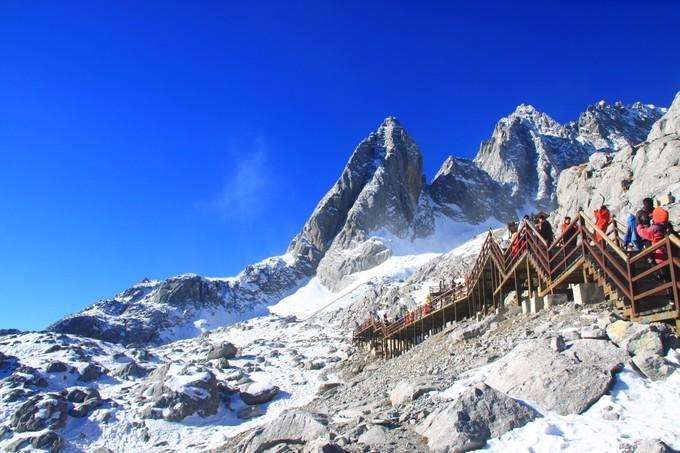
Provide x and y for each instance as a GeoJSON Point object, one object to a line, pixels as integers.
{"type": "Point", "coordinates": [148, 139]}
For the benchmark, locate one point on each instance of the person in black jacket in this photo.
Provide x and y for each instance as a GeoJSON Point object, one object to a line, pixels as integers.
{"type": "Point", "coordinates": [545, 229]}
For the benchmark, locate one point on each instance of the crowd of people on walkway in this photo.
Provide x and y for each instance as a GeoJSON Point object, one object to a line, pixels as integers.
{"type": "Point", "coordinates": [644, 228]}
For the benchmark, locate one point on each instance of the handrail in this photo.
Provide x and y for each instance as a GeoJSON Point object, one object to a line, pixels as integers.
{"type": "Point", "coordinates": [603, 235]}
{"type": "Point", "coordinates": [552, 262]}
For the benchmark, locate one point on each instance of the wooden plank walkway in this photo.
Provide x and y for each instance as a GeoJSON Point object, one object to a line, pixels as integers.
{"type": "Point", "coordinates": [639, 289]}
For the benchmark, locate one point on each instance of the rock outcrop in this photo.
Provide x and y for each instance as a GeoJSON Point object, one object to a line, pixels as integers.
{"type": "Point", "coordinates": [622, 180]}
{"type": "Point", "coordinates": [294, 428]}
{"type": "Point", "coordinates": [479, 414]}
{"type": "Point", "coordinates": [528, 149]}
{"type": "Point", "coordinates": [566, 382]}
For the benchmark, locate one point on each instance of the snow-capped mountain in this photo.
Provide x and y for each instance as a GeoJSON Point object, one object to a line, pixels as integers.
{"type": "Point", "coordinates": [380, 206]}
{"type": "Point", "coordinates": [199, 364]}
{"type": "Point", "coordinates": [187, 305]}
{"type": "Point", "coordinates": [528, 149]}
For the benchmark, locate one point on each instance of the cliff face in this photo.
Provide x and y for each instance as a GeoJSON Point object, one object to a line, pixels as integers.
{"type": "Point", "coordinates": [622, 180]}
{"type": "Point", "coordinates": [528, 149]}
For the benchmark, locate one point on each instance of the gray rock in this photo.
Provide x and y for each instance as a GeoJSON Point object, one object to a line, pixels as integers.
{"type": "Point", "coordinates": [593, 332]}
{"type": "Point", "coordinates": [174, 394]}
{"type": "Point", "coordinates": [375, 436]}
{"type": "Point", "coordinates": [652, 446]}
{"type": "Point", "coordinates": [323, 446]}
{"type": "Point", "coordinates": [557, 344]}
{"type": "Point", "coordinates": [296, 427]}
{"type": "Point", "coordinates": [327, 386]}
{"type": "Point", "coordinates": [85, 408]}
{"type": "Point", "coordinates": [56, 367]}
{"type": "Point", "coordinates": [131, 370]}
{"type": "Point", "coordinates": [316, 364]}
{"type": "Point", "coordinates": [224, 350]}
{"type": "Point", "coordinates": [654, 366]}
{"type": "Point", "coordinates": [565, 382]}
{"type": "Point", "coordinates": [406, 391]}
{"type": "Point", "coordinates": [258, 394]}
{"type": "Point", "coordinates": [91, 372]}
{"type": "Point", "coordinates": [44, 411]}
{"type": "Point", "coordinates": [636, 338]}
{"type": "Point", "coordinates": [48, 440]}
{"type": "Point", "coordinates": [480, 413]}
{"type": "Point", "coordinates": [80, 394]}
{"type": "Point", "coordinates": [222, 364]}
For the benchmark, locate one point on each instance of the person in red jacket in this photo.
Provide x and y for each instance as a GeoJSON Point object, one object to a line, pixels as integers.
{"type": "Point", "coordinates": [656, 232]}
{"type": "Point", "coordinates": [602, 219]}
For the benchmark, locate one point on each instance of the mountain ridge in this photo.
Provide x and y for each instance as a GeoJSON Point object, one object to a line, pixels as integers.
{"type": "Point", "coordinates": [381, 198]}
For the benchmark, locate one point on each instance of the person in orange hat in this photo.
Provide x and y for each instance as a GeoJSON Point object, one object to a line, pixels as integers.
{"type": "Point", "coordinates": [656, 232]}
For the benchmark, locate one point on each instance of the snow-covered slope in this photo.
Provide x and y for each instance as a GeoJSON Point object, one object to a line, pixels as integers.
{"type": "Point", "coordinates": [187, 305]}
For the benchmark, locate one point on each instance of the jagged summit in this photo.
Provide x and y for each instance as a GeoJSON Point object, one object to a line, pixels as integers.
{"type": "Point", "coordinates": [528, 149]}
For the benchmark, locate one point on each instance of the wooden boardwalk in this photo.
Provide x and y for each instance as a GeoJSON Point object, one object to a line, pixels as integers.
{"type": "Point", "coordinates": [638, 288]}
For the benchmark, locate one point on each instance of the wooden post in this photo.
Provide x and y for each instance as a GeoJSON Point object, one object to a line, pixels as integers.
{"type": "Point", "coordinates": [514, 273]}
{"type": "Point", "coordinates": [674, 279]}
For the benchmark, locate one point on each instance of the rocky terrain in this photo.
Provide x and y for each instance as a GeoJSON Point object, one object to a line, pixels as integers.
{"type": "Point", "coordinates": [650, 168]}
{"type": "Point", "coordinates": [263, 361]}
{"type": "Point", "coordinates": [503, 380]}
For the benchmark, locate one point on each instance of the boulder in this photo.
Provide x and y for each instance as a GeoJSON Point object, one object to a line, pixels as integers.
{"type": "Point", "coordinates": [557, 344]}
{"type": "Point", "coordinates": [652, 446]}
{"type": "Point", "coordinates": [326, 386]}
{"type": "Point", "coordinates": [654, 366]}
{"type": "Point", "coordinates": [56, 366]}
{"type": "Point", "coordinates": [85, 408]}
{"type": "Point", "coordinates": [375, 436]}
{"type": "Point", "coordinates": [636, 338]}
{"type": "Point", "coordinates": [174, 392]}
{"type": "Point", "coordinates": [323, 446]}
{"type": "Point", "coordinates": [131, 370]}
{"type": "Point", "coordinates": [295, 427]}
{"type": "Point", "coordinates": [44, 411]}
{"type": "Point", "coordinates": [315, 364]}
{"type": "Point", "coordinates": [48, 440]}
{"type": "Point", "coordinates": [593, 332]}
{"type": "Point", "coordinates": [408, 391]}
{"type": "Point", "coordinates": [566, 382]}
{"type": "Point", "coordinates": [91, 372]}
{"type": "Point", "coordinates": [222, 364]}
{"type": "Point", "coordinates": [80, 394]}
{"type": "Point", "coordinates": [224, 350]}
{"type": "Point", "coordinates": [259, 393]}
{"type": "Point", "coordinates": [480, 413]}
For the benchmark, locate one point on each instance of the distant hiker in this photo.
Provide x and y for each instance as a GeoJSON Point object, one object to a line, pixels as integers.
{"type": "Point", "coordinates": [385, 320]}
{"type": "Point", "coordinates": [544, 229]}
{"type": "Point", "coordinates": [602, 219]}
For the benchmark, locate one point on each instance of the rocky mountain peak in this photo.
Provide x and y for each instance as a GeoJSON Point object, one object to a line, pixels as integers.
{"type": "Point", "coordinates": [380, 184]}
{"type": "Point", "coordinates": [528, 149]}
{"type": "Point", "coordinates": [669, 123]}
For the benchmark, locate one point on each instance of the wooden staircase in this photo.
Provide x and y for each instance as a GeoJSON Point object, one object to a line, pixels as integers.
{"type": "Point", "coordinates": [638, 287]}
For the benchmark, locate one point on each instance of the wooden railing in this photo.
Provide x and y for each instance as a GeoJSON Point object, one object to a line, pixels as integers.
{"type": "Point", "coordinates": [632, 281]}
